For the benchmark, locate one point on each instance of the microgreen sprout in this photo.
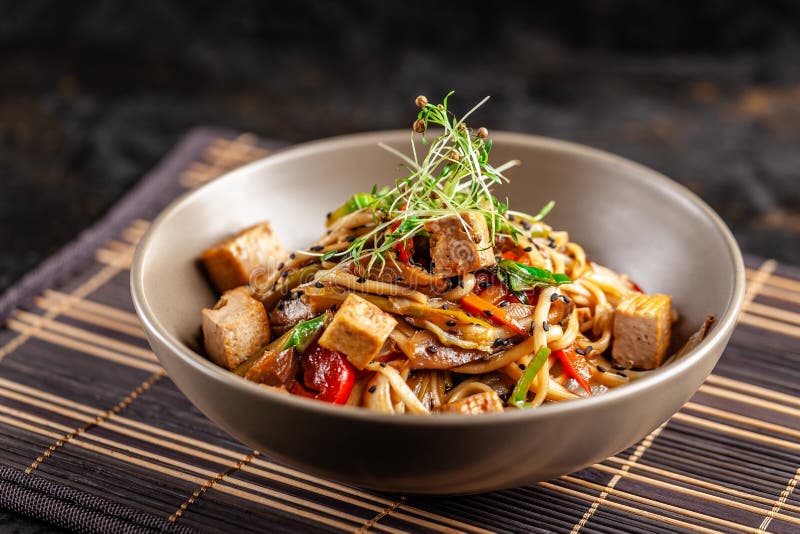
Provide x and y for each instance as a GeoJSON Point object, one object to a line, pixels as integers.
{"type": "Point", "coordinates": [452, 178]}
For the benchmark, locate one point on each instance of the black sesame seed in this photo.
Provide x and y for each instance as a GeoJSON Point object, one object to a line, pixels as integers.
{"type": "Point", "coordinates": [545, 326]}
{"type": "Point", "coordinates": [292, 256]}
{"type": "Point", "coordinates": [522, 366]}
{"type": "Point", "coordinates": [488, 313]}
{"type": "Point", "coordinates": [383, 364]}
{"type": "Point", "coordinates": [350, 238]}
{"type": "Point", "coordinates": [623, 375]}
{"type": "Point", "coordinates": [280, 266]}
{"type": "Point", "coordinates": [316, 248]}
{"type": "Point", "coordinates": [328, 215]}
{"type": "Point", "coordinates": [274, 287]}
{"type": "Point", "coordinates": [565, 299]}
{"type": "Point", "coordinates": [581, 352]}
{"type": "Point", "coordinates": [432, 349]}
{"type": "Point", "coordinates": [284, 274]}
{"type": "Point", "coordinates": [503, 304]}
{"type": "Point", "coordinates": [551, 242]}
{"type": "Point", "coordinates": [319, 285]}
{"type": "Point", "coordinates": [554, 297]}
{"type": "Point", "coordinates": [525, 224]}
{"type": "Point", "coordinates": [499, 342]}
{"type": "Point", "coordinates": [619, 367]}
{"type": "Point", "coordinates": [372, 389]}
{"type": "Point", "coordinates": [450, 323]}
{"type": "Point", "coordinates": [528, 249]}
{"type": "Point", "coordinates": [399, 278]}
{"type": "Point", "coordinates": [484, 285]}
{"type": "Point", "coordinates": [511, 217]}
{"type": "Point", "coordinates": [588, 349]}
{"type": "Point", "coordinates": [299, 294]}
{"type": "Point", "coordinates": [497, 257]}
{"type": "Point", "coordinates": [361, 280]}
{"type": "Point", "coordinates": [601, 369]}
{"type": "Point", "coordinates": [469, 314]}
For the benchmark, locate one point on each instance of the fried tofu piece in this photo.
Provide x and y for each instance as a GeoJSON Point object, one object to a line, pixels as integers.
{"type": "Point", "coordinates": [275, 368]}
{"type": "Point", "coordinates": [230, 262]}
{"type": "Point", "coordinates": [486, 402]}
{"type": "Point", "coordinates": [456, 249]}
{"type": "Point", "coordinates": [358, 330]}
{"type": "Point", "coordinates": [236, 328]}
{"type": "Point", "coordinates": [642, 330]}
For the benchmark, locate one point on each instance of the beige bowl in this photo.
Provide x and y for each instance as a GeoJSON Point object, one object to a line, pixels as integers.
{"type": "Point", "coordinates": [627, 216]}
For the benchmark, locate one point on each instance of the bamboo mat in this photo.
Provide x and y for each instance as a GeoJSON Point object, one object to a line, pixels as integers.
{"type": "Point", "coordinates": [86, 410]}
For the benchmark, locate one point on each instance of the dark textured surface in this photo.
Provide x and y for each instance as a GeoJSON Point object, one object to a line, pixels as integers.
{"type": "Point", "coordinates": [91, 96]}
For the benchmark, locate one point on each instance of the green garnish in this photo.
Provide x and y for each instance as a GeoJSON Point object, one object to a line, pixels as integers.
{"type": "Point", "coordinates": [305, 333]}
{"type": "Point", "coordinates": [518, 277]}
{"type": "Point", "coordinates": [520, 394]}
{"type": "Point", "coordinates": [453, 178]}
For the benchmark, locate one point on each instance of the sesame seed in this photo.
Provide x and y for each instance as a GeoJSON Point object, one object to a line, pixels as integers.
{"type": "Point", "coordinates": [292, 256]}
{"type": "Point", "coordinates": [551, 242]}
{"type": "Point", "coordinates": [623, 375]}
{"type": "Point", "coordinates": [432, 349]}
{"type": "Point", "coordinates": [328, 215]}
{"type": "Point", "coordinates": [488, 313]}
{"type": "Point", "coordinates": [545, 326]}
{"type": "Point", "coordinates": [484, 285]}
{"type": "Point", "coordinates": [601, 369]}
{"type": "Point", "coordinates": [554, 297]}
{"type": "Point", "coordinates": [588, 349]}
{"type": "Point", "coordinates": [372, 389]}
{"type": "Point", "coordinates": [383, 364]}
{"type": "Point", "coordinates": [565, 299]}
{"type": "Point", "coordinates": [619, 367]}
{"type": "Point", "coordinates": [284, 274]}
{"type": "Point", "coordinates": [525, 224]}
{"type": "Point", "coordinates": [580, 351]}
{"type": "Point", "coordinates": [361, 280]}
{"type": "Point", "coordinates": [316, 248]}
{"type": "Point", "coordinates": [450, 323]}
{"type": "Point", "coordinates": [350, 238]}
{"type": "Point", "coordinates": [319, 285]}
{"type": "Point", "coordinates": [469, 314]}
{"type": "Point", "coordinates": [522, 366]}
{"type": "Point", "coordinates": [280, 266]}
{"type": "Point", "coordinates": [528, 249]}
{"type": "Point", "coordinates": [511, 217]}
{"type": "Point", "coordinates": [299, 294]}
{"type": "Point", "coordinates": [503, 304]}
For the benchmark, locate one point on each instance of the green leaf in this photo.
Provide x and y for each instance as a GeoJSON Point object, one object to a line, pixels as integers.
{"type": "Point", "coordinates": [520, 393]}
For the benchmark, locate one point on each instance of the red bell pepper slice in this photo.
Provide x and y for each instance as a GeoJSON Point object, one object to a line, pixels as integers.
{"type": "Point", "coordinates": [327, 376]}
{"type": "Point", "coordinates": [404, 249]}
{"type": "Point", "coordinates": [484, 308]}
{"type": "Point", "coordinates": [575, 366]}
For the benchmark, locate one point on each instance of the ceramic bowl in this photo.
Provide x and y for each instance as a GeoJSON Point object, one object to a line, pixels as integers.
{"type": "Point", "coordinates": [627, 217]}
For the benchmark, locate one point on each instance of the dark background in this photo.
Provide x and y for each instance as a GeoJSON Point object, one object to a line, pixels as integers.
{"type": "Point", "coordinates": [93, 94]}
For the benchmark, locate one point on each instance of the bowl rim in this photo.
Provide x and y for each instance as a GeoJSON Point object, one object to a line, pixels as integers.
{"type": "Point", "coordinates": [719, 334]}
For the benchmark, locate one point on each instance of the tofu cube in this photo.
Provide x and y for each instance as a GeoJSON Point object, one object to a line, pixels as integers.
{"type": "Point", "coordinates": [486, 402]}
{"type": "Point", "coordinates": [642, 330]}
{"type": "Point", "coordinates": [230, 262]}
{"type": "Point", "coordinates": [358, 330]}
{"type": "Point", "coordinates": [460, 245]}
{"type": "Point", "coordinates": [236, 328]}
